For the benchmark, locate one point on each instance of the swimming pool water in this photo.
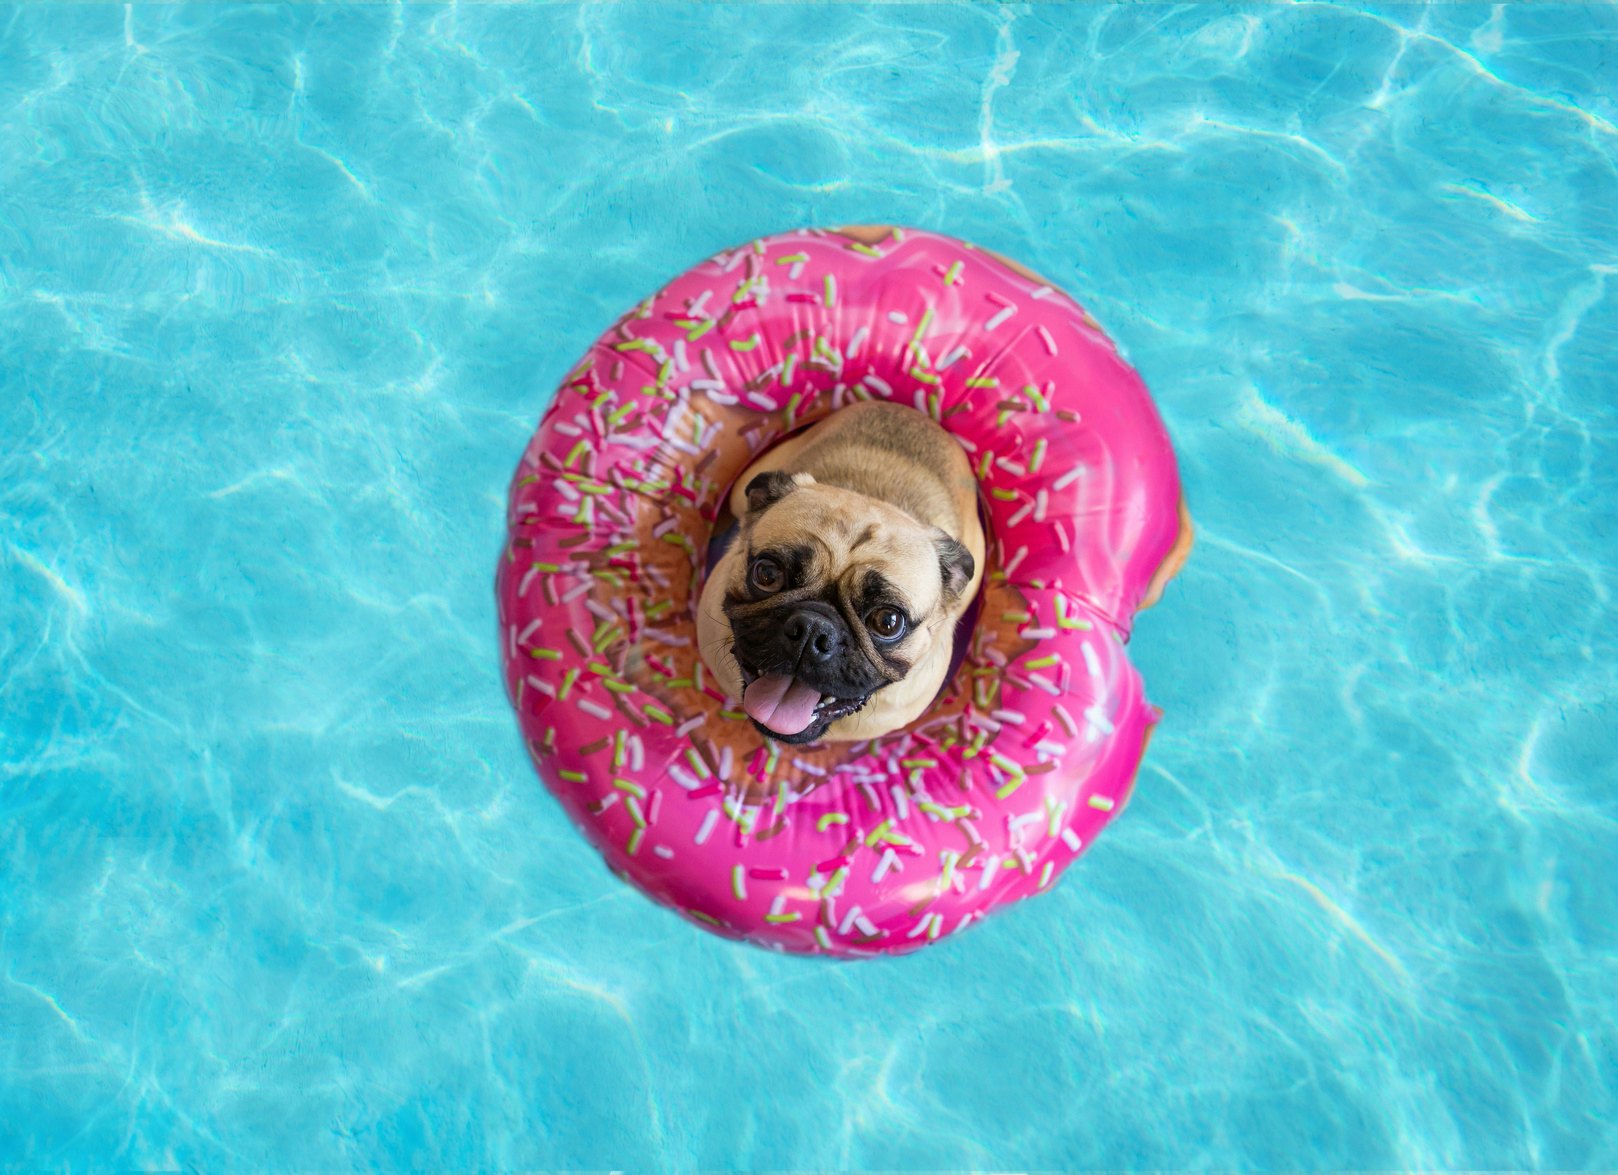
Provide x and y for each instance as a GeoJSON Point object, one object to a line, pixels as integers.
{"type": "Point", "coordinates": [283, 292]}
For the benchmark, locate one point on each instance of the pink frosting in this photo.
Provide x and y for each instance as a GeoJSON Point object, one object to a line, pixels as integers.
{"type": "Point", "coordinates": [842, 848]}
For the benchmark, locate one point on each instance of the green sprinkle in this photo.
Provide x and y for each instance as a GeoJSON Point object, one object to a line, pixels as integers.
{"type": "Point", "coordinates": [1010, 786]}
{"type": "Point", "coordinates": [572, 776]}
{"type": "Point", "coordinates": [616, 416]}
{"type": "Point", "coordinates": [545, 654]}
{"type": "Point", "coordinates": [918, 762]}
{"type": "Point", "coordinates": [630, 786]}
{"type": "Point", "coordinates": [831, 290]}
{"type": "Point", "coordinates": [1100, 803]}
{"type": "Point", "coordinates": [1038, 458]}
{"type": "Point", "coordinates": [921, 328]}
{"type": "Point", "coordinates": [577, 451]}
{"type": "Point", "coordinates": [697, 763]}
{"type": "Point", "coordinates": [1043, 662]}
{"type": "Point", "coordinates": [880, 833]}
{"type": "Point", "coordinates": [830, 818]}
{"type": "Point", "coordinates": [701, 917]}
{"type": "Point", "coordinates": [792, 259]}
{"type": "Point", "coordinates": [1003, 495]}
{"type": "Point", "coordinates": [1037, 397]}
{"type": "Point", "coordinates": [547, 568]}
{"type": "Point", "coordinates": [699, 330]}
{"type": "Point", "coordinates": [924, 375]}
{"type": "Point", "coordinates": [744, 344]}
{"type": "Point", "coordinates": [737, 884]}
{"type": "Point", "coordinates": [789, 917]}
{"type": "Point", "coordinates": [568, 679]}
{"type": "Point", "coordinates": [637, 345]}
{"type": "Point", "coordinates": [733, 715]}
{"type": "Point", "coordinates": [954, 274]}
{"type": "Point", "coordinates": [983, 381]}
{"type": "Point", "coordinates": [657, 715]}
{"type": "Point", "coordinates": [618, 687]}
{"type": "Point", "coordinates": [635, 837]}
{"type": "Point", "coordinates": [861, 247]}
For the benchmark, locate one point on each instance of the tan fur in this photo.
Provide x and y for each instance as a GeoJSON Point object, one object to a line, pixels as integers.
{"type": "Point", "coordinates": [874, 480]}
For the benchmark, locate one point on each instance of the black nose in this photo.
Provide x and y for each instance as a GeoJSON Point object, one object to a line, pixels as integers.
{"type": "Point", "coordinates": [812, 635]}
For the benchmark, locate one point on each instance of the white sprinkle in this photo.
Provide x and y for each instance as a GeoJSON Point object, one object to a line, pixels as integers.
{"type": "Point", "coordinates": [1015, 468]}
{"type": "Point", "coordinates": [1015, 561]}
{"type": "Point", "coordinates": [708, 822]}
{"type": "Point", "coordinates": [809, 768]}
{"type": "Point", "coordinates": [700, 385]}
{"type": "Point", "coordinates": [1049, 749]}
{"type": "Point", "coordinates": [795, 271]}
{"type": "Point", "coordinates": [1090, 661]}
{"type": "Point", "coordinates": [542, 686]}
{"type": "Point", "coordinates": [599, 611]}
{"type": "Point", "coordinates": [989, 871]}
{"type": "Point", "coordinates": [865, 926]}
{"type": "Point", "coordinates": [1062, 539]}
{"type": "Point", "coordinates": [709, 365]}
{"type": "Point", "coordinates": [1071, 840]}
{"type": "Point", "coordinates": [566, 429]}
{"type": "Point", "coordinates": [696, 304]}
{"type": "Point", "coordinates": [994, 657]}
{"type": "Point", "coordinates": [668, 638]}
{"type": "Point", "coordinates": [1050, 343]}
{"type": "Point", "coordinates": [727, 761]}
{"type": "Point", "coordinates": [1045, 874]}
{"type": "Point", "coordinates": [900, 801]}
{"type": "Point", "coordinates": [1068, 478]}
{"type": "Point", "coordinates": [664, 527]}
{"type": "Point", "coordinates": [1000, 318]}
{"type": "Point", "coordinates": [566, 490]}
{"type": "Point", "coordinates": [898, 316]}
{"type": "Point", "coordinates": [920, 400]}
{"type": "Point", "coordinates": [1042, 501]}
{"type": "Point", "coordinates": [606, 802]}
{"type": "Point", "coordinates": [760, 400]}
{"type": "Point", "coordinates": [1027, 509]}
{"type": "Point", "coordinates": [969, 446]}
{"type": "Point", "coordinates": [879, 384]}
{"type": "Point", "coordinates": [849, 919]}
{"type": "Point", "coordinates": [637, 753]}
{"type": "Point", "coordinates": [1098, 720]}
{"type": "Point", "coordinates": [1010, 716]}
{"type": "Point", "coordinates": [1042, 292]}
{"type": "Point", "coordinates": [576, 591]}
{"type": "Point", "coordinates": [683, 777]}
{"type": "Point", "coordinates": [926, 921]}
{"type": "Point", "coordinates": [890, 860]}
{"type": "Point", "coordinates": [680, 361]}
{"type": "Point", "coordinates": [779, 905]}
{"type": "Point", "coordinates": [689, 725]}
{"type": "Point", "coordinates": [1038, 634]}
{"type": "Point", "coordinates": [1045, 683]}
{"type": "Point", "coordinates": [527, 579]}
{"type": "Point", "coordinates": [723, 399]}
{"type": "Point", "coordinates": [663, 851]}
{"type": "Point", "coordinates": [952, 357]}
{"type": "Point", "coordinates": [594, 709]}
{"type": "Point", "coordinates": [680, 446]}
{"type": "Point", "coordinates": [857, 341]}
{"type": "Point", "coordinates": [1015, 824]}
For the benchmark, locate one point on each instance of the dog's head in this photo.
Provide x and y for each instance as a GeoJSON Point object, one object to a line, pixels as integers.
{"type": "Point", "coordinates": [834, 596]}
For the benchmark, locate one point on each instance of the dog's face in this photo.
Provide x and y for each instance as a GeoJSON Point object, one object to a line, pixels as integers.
{"type": "Point", "coordinates": [830, 597]}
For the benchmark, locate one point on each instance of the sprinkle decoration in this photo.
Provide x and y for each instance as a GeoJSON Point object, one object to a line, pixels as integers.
{"type": "Point", "coordinates": [851, 849]}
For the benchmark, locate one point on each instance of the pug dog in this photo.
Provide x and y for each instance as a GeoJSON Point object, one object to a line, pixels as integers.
{"type": "Point", "coordinates": [832, 615]}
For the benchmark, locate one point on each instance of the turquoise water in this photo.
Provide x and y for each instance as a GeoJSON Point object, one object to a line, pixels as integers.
{"type": "Point", "coordinates": [283, 292]}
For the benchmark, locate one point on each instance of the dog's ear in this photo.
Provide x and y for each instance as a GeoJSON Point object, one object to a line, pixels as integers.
{"type": "Point", "coordinates": [767, 489]}
{"type": "Point", "coordinates": [955, 564]}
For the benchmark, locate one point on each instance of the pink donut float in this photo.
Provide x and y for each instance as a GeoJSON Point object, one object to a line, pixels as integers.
{"type": "Point", "coordinates": [843, 849]}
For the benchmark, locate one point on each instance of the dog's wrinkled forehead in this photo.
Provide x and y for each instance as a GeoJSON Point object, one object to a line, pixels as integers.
{"type": "Point", "coordinates": [841, 528]}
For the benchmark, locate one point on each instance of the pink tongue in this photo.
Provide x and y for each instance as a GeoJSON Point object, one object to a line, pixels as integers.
{"type": "Point", "coordinates": [782, 703]}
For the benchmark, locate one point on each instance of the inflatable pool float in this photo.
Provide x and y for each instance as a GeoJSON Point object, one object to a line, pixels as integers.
{"type": "Point", "coordinates": [1029, 752]}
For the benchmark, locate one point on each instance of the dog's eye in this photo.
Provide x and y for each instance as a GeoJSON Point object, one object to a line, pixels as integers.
{"type": "Point", "coordinates": [766, 575]}
{"type": "Point", "coordinates": [885, 623]}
